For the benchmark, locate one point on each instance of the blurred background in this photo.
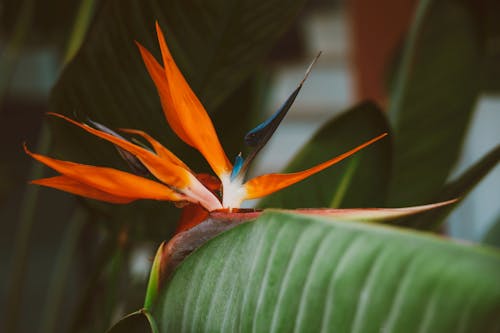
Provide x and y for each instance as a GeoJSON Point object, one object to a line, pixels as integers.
{"type": "Point", "coordinates": [360, 41]}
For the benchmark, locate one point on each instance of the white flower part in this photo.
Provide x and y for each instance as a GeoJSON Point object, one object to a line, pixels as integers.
{"type": "Point", "coordinates": [198, 193]}
{"type": "Point", "coordinates": [233, 192]}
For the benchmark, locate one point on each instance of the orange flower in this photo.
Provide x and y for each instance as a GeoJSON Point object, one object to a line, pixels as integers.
{"type": "Point", "coordinates": [174, 181]}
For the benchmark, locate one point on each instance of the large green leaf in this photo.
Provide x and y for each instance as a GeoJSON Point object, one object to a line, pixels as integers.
{"type": "Point", "coordinates": [360, 181]}
{"type": "Point", "coordinates": [433, 98]}
{"type": "Point", "coordinates": [288, 272]}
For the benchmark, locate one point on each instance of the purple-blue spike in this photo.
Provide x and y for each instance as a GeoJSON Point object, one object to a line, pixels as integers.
{"type": "Point", "coordinates": [263, 132]}
{"type": "Point", "coordinates": [260, 135]}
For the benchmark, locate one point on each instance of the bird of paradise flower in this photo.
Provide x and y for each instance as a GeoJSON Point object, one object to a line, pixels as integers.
{"type": "Point", "coordinates": [173, 179]}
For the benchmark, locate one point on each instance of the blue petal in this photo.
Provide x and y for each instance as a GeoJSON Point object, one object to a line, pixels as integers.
{"type": "Point", "coordinates": [238, 163]}
{"type": "Point", "coordinates": [261, 134]}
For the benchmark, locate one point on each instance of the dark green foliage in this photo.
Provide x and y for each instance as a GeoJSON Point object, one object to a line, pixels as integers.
{"type": "Point", "coordinates": [436, 88]}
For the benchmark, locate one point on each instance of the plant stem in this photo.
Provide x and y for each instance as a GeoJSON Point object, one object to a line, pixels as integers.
{"type": "Point", "coordinates": [22, 242]}
{"type": "Point", "coordinates": [61, 271]}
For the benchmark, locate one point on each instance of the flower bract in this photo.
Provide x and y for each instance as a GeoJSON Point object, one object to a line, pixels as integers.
{"type": "Point", "coordinates": [164, 176]}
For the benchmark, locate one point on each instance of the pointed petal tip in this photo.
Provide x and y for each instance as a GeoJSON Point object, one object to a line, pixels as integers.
{"type": "Point", "coordinates": [447, 202]}
{"type": "Point", "coordinates": [58, 115]}
{"type": "Point", "coordinates": [309, 68]}
{"type": "Point", "coordinates": [139, 45]}
{"type": "Point", "coordinates": [26, 149]}
{"type": "Point", "coordinates": [159, 32]}
{"type": "Point", "coordinates": [34, 181]}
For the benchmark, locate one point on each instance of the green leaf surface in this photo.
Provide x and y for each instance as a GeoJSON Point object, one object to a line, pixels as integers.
{"type": "Point", "coordinates": [291, 273]}
{"type": "Point", "coordinates": [458, 188]}
{"type": "Point", "coordinates": [359, 181]}
{"type": "Point", "coordinates": [435, 93]}
{"type": "Point", "coordinates": [137, 322]}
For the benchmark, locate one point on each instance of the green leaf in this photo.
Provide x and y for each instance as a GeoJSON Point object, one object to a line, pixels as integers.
{"type": "Point", "coordinates": [458, 188]}
{"type": "Point", "coordinates": [492, 237]}
{"type": "Point", "coordinates": [435, 93]}
{"type": "Point", "coordinates": [137, 322]}
{"type": "Point", "coordinates": [360, 181]}
{"type": "Point", "coordinates": [287, 272]}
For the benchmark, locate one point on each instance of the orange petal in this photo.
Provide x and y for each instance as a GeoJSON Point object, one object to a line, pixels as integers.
{"type": "Point", "coordinates": [67, 184]}
{"type": "Point", "coordinates": [111, 181]}
{"type": "Point", "coordinates": [164, 169]}
{"type": "Point", "coordinates": [184, 112]}
{"type": "Point", "coordinates": [159, 77]}
{"type": "Point", "coordinates": [270, 183]}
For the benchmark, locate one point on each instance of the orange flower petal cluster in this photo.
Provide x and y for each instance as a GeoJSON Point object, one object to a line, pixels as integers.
{"type": "Point", "coordinates": [173, 180]}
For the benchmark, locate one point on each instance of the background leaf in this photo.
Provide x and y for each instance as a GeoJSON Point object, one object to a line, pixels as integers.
{"type": "Point", "coordinates": [436, 90]}
{"type": "Point", "coordinates": [359, 181]}
{"type": "Point", "coordinates": [287, 273]}
{"type": "Point", "coordinates": [458, 188]}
